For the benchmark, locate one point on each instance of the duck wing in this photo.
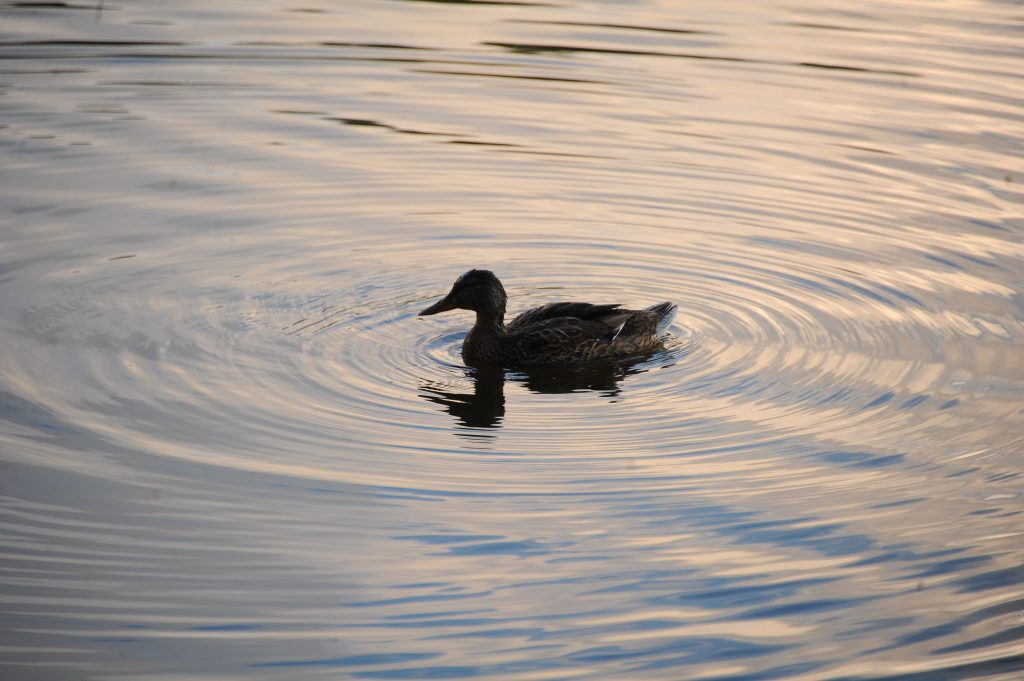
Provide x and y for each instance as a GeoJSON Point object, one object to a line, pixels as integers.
{"type": "Point", "coordinates": [557, 340]}
{"type": "Point", "coordinates": [560, 332]}
{"type": "Point", "coordinates": [578, 311]}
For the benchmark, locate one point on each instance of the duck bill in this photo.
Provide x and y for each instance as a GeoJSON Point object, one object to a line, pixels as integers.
{"type": "Point", "coordinates": [442, 305]}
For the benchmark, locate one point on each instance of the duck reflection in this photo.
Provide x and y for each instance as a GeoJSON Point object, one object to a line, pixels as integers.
{"type": "Point", "coordinates": [482, 408]}
{"type": "Point", "coordinates": [485, 406]}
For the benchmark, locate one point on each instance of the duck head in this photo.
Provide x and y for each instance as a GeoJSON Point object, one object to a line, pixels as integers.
{"type": "Point", "coordinates": [476, 290]}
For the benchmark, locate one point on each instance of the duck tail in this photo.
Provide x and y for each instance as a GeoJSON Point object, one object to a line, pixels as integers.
{"type": "Point", "coordinates": [666, 313]}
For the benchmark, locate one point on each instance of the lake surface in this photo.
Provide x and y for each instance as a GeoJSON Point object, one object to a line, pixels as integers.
{"type": "Point", "coordinates": [229, 449]}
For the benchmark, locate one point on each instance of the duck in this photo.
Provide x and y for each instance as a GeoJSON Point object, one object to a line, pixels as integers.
{"type": "Point", "coordinates": [552, 334]}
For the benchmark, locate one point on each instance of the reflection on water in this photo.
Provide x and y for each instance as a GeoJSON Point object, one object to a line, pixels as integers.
{"type": "Point", "coordinates": [484, 407]}
{"type": "Point", "coordinates": [228, 448]}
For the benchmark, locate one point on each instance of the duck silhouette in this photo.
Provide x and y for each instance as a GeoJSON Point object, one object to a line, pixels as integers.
{"type": "Point", "coordinates": [552, 334]}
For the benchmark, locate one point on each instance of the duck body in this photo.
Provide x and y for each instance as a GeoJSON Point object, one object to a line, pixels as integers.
{"type": "Point", "coordinates": [552, 334]}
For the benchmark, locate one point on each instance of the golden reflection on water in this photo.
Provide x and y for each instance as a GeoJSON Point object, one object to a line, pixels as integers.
{"type": "Point", "coordinates": [239, 452]}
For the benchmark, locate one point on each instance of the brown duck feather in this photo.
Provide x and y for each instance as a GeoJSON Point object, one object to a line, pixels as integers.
{"type": "Point", "coordinates": [556, 333]}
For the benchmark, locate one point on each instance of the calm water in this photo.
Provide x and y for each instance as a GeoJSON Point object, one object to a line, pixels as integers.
{"type": "Point", "coordinates": [230, 450]}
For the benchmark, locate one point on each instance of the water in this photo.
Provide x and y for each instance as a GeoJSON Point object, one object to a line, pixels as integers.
{"type": "Point", "coordinates": [231, 450]}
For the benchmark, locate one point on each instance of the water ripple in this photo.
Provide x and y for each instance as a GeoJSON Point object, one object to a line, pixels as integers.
{"type": "Point", "coordinates": [230, 446]}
